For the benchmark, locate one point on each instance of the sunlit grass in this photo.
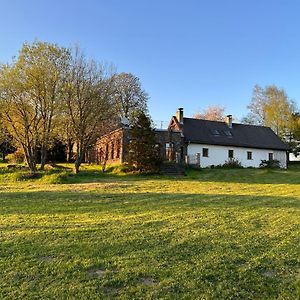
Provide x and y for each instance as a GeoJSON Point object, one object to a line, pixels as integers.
{"type": "Point", "coordinates": [214, 234]}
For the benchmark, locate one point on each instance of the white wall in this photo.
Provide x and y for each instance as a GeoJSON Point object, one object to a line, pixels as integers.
{"type": "Point", "coordinates": [217, 155]}
{"type": "Point", "coordinates": [294, 158]}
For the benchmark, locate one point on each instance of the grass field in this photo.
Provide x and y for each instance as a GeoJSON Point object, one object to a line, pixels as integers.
{"type": "Point", "coordinates": [214, 234]}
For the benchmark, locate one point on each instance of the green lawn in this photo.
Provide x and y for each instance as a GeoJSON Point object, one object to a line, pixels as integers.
{"type": "Point", "coordinates": [214, 234]}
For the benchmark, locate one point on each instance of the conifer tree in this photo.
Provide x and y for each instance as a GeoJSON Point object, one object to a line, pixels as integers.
{"type": "Point", "coordinates": [143, 154]}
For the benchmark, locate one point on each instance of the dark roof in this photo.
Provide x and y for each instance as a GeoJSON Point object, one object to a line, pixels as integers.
{"type": "Point", "coordinates": [240, 135]}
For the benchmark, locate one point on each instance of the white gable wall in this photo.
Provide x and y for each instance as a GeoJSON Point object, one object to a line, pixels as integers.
{"type": "Point", "coordinates": [217, 155]}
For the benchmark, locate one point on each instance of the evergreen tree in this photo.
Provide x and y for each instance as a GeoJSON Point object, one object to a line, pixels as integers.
{"type": "Point", "coordinates": [143, 154]}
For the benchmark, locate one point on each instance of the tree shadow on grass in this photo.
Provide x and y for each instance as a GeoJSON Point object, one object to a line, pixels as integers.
{"type": "Point", "coordinates": [175, 237]}
{"type": "Point", "coordinates": [50, 202]}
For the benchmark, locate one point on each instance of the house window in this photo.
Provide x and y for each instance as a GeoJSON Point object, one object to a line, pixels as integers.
{"type": "Point", "coordinates": [249, 155]}
{"type": "Point", "coordinates": [271, 157]}
{"type": "Point", "coordinates": [228, 133]}
{"type": "Point", "coordinates": [215, 132]}
{"type": "Point", "coordinates": [205, 152]}
{"type": "Point", "coordinates": [118, 146]}
{"type": "Point", "coordinates": [112, 151]}
{"type": "Point", "coordinates": [230, 153]}
{"type": "Point", "coordinates": [106, 152]}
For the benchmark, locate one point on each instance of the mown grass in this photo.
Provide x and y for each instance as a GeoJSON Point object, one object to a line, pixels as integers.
{"type": "Point", "coordinates": [214, 234]}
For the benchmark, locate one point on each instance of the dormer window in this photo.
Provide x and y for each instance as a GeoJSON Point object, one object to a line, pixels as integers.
{"type": "Point", "coordinates": [215, 132]}
{"type": "Point", "coordinates": [228, 133]}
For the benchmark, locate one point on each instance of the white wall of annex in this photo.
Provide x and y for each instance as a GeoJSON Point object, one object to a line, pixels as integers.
{"type": "Point", "coordinates": [217, 155]}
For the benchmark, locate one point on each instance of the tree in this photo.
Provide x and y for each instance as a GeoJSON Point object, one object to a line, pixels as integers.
{"type": "Point", "coordinates": [278, 111]}
{"type": "Point", "coordinates": [257, 114]}
{"type": "Point", "coordinates": [143, 154]}
{"type": "Point", "coordinates": [128, 95]}
{"type": "Point", "coordinates": [6, 145]}
{"type": "Point", "coordinates": [270, 106]}
{"type": "Point", "coordinates": [212, 113]}
{"type": "Point", "coordinates": [87, 102]}
{"type": "Point", "coordinates": [294, 136]}
{"type": "Point", "coordinates": [19, 113]}
{"type": "Point", "coordinates": [44, 68]}
{"type": "Point", "coordinates": [30, 93]}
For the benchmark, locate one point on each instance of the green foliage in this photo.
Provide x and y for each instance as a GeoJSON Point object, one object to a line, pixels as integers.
{"type": "Point", "coordinates": [17, 157]}
{"type": "Point", "coordinates": [143, 154]}
{"type": "Point", "coordinates": [271, 106]}
{"type": "Point", "coordinates": [220, 234]}
{"type": "Point", "coordinates": [270, 164]}
{"type": "Point", "coordinates": [232, 163]}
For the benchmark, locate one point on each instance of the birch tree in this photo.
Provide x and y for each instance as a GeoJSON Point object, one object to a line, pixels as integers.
{"type": "Point", "coordinates": [271, 106]}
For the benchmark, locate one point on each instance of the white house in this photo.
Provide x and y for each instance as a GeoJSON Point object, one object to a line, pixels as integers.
{"type": "Point", "coordinates": [212, 143]}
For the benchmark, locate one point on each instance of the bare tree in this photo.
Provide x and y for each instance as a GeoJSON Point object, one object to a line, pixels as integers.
{"type": "Point", "coordinates": [128, 95]}
{"type": "Point", "coordinates": [257, 112]}
{"type": "Point", "coordinates": [212, 113]}
{"type": "Point", "coordinates": [87, 100]}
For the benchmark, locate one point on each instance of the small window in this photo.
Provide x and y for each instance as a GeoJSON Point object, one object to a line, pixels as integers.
{"type": "Point", "coordinates": [249, 155]}
{"type": "Point", "coordinates": [205, 152]}
{"type": "Point", "coordinates": [106, 152]}
{"type": "Point", "coordinates": [118, 146]}
{"type": "Point", "coordinates": [271, 157]}
{"type": "Point", "coordinates": [215, 132]}
{"type": "Point", "coordinates": [112, 152]}
{"type": "Point", "coordinates": [228, 133]}
{"type": "Point", "coordinates": [230, 153]}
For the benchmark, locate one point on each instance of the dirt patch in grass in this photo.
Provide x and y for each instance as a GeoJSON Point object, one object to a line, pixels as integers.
{"type": "Point", "coordinates": [111, 290]}
{"type": "Point", "coordinates": [46, 258]}
{"type": "Point", "coordinates": [269, 274]}
{"type": "Point", "coordinates": [97, 273]}
{"type": "Point", "coordinates": [148, 281]}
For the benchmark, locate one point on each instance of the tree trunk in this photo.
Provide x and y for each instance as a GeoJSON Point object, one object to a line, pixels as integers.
{"type": "Point", "coordinates": [79, 158]}
{"type": "Point", "coordinates": [43, 158]}
{"type": "Point", "coordinates": [69, 151]}
{"type": "Point", "coordinates": [31, 163]}
{"type": "Point", "coordinates": [30, 158]}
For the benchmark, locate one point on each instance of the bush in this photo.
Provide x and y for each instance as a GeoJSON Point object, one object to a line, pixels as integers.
{"type": "Point", "coordinates": [17, 157]}
{"type": "Point", "coordinates": [270, 164]}
{"type": "Point", "coordinates": [232, 163]}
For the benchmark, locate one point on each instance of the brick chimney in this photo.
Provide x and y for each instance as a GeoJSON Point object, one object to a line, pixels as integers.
{"type": "Point", "coordinates": [179, 115]}
{"type": "Point", "coordinates": [228, 121]}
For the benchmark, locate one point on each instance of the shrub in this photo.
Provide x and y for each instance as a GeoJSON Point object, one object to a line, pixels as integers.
{"type": "Point", "coordinates": [232, 163]}
{"type": "Point", "coordinates": [17, 157]}
{"type": "Point", "coordinates": [270, 164]}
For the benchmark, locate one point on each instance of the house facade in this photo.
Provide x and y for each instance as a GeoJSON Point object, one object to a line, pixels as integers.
{"type": "Point", "coordinates": [200, 143]}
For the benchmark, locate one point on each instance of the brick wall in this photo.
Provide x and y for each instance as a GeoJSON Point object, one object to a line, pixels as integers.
{"type": "Point", "coordinates": [113, 147]}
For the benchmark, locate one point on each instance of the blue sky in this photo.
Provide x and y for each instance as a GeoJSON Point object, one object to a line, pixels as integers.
{"type": "Point", "coordinates": [187, 54]}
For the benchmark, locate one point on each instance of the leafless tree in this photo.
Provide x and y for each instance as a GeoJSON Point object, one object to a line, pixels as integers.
{"type": "Point", "coordinates": [128, 95]}
{"type": "Point", "coordinates": [88, 102]}
{"type": "Point", "coordinates": [212, 113]}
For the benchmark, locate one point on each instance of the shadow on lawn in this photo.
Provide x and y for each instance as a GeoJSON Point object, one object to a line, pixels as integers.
{"type": "Point", "coordinates": [255, 176]}
{"type": "Point", "coordinates": [42, 202]}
